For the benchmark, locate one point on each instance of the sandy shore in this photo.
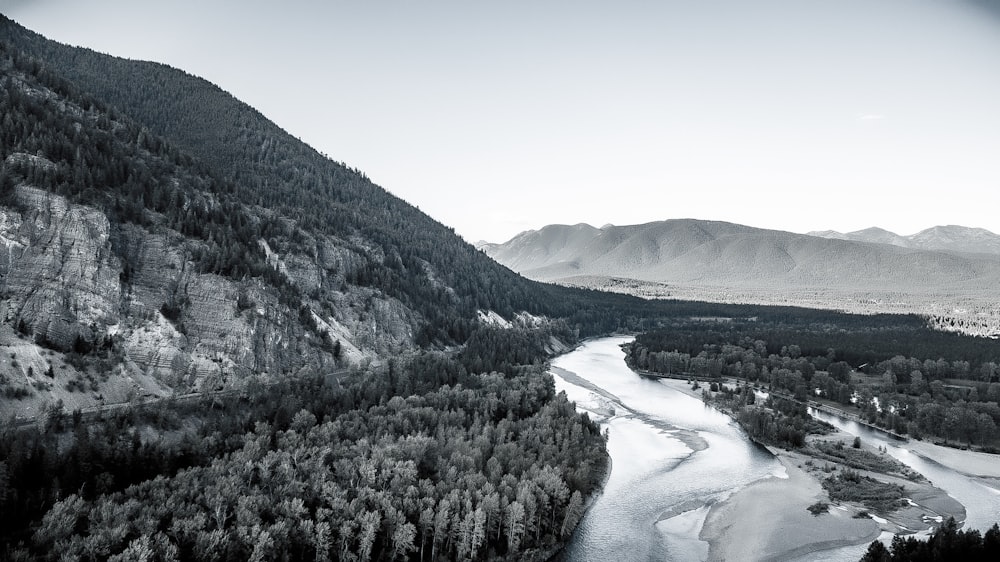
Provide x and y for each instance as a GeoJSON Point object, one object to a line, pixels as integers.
{"type": "Point", "coordinates": [769, 520]}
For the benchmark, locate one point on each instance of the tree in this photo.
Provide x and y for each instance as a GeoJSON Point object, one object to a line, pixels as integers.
{"type": "Point", "coordinates": [139, 550]}
{"type": "Point", "coordinates": [441, 520]}
{"type": "Point", "coordinates": [877, 552]}
{"type": "Point", "coordinates": [60, 522]}
{"type": "Point", "coordinates": [478, 537]}
{"type": "Point", "coordinates": [574, 510]}
{"type": "Point", "coordinates": [346, 533]}
{"type": "Point", "coordinates": [515, 526]}
{"type": "Point", "coordinates": [426, 527]}
{"type": "Point", "coordinates": [322, 541]}
{"type": "Point", "coordinates": [402, 540]}
{"type": "Point", "coordinates": [368, 523]}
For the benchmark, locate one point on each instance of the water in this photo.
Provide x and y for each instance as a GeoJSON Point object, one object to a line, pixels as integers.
{"type": "Point", "coordinates": [672, 457]}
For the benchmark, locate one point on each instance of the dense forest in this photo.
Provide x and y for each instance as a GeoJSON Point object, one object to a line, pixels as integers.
{"type": "Point", "coordinates": [420, 459]}
{"type": "Point", "coordinates": [892, 371]}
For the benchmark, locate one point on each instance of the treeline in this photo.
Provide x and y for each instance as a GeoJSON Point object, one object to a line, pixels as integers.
{"type": "Point", "coordinates": [854, 339]}
{"type": "Point", "coordinates": [419, 460]}
{"type": "Point", "coordinates": [947, 543]}
{"type": "Point", "coordinates": [915, 395]}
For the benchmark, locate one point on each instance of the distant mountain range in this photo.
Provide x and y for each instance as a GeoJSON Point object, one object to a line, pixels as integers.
{"type": "Point", "coordinates": [711, 253]}
{"type": "Point", "coordinates": [950, 238]}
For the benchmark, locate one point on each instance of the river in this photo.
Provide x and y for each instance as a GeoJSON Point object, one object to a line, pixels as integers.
{"type": "Point", "coordinates": [673, 457]}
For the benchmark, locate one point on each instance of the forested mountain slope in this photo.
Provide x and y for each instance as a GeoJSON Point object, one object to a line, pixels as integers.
{"type": "Point", "coordinates": [164, 237]}
{"type": "Point", "coordinates": [402, 252]}
{"type": "Point", "coordinates": [132, 269]}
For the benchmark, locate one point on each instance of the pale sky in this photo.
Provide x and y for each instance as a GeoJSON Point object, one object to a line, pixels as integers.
{"type": "Point", "coordinates": [497, 117]}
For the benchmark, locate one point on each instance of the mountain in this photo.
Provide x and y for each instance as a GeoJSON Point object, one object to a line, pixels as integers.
{"type": "Point", "coordinates": [714, 253]}
{"type": "Point", "coordinates": [403, 252]}
{"type": "Point", "coordinates": [163, 237]}
{"type": "Point", "coordinates": [950, 238]}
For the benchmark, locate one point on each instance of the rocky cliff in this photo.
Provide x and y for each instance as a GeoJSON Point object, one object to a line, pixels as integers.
{"type": "Point", "coordinates": [96, 312]}
{"type": "Point", "coordinates": [106, 300]}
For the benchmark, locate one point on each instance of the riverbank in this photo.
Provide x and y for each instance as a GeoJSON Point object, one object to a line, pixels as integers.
{"type": "Point", "coordinates": [770, 519]}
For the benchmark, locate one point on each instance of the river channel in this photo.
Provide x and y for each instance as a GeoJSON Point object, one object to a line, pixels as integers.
{"type": "Point", "coordinates": [672, 457]}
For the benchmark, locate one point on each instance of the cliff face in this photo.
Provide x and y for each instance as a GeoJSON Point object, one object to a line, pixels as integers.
{"type": "Point", "coordinates": [119, 311]}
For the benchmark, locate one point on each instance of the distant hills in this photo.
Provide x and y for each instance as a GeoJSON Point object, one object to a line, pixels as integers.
{"type": "Point", "coordinates": [713, 253]}
{"type": "Point", "coordinates": [950, 238]}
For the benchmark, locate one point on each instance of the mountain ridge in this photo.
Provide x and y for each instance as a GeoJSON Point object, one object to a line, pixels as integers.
{"type": "Point", "coordinates": [953, 238]}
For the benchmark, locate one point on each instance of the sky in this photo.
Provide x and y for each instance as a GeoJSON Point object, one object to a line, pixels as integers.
{"type": "Point", "coordinates": [498, 117]}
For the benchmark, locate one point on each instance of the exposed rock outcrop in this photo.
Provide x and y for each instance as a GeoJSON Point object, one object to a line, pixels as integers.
{"type": "Point", "coordinates": [76, 284]}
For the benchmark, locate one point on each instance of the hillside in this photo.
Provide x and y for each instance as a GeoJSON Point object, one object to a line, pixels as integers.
{"type": "Point", "coordinates": [132, 270]}
{"type": "Point", "coordinates": [163, 237]}
{"type": "Point", "coordinates": [400, 251]}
